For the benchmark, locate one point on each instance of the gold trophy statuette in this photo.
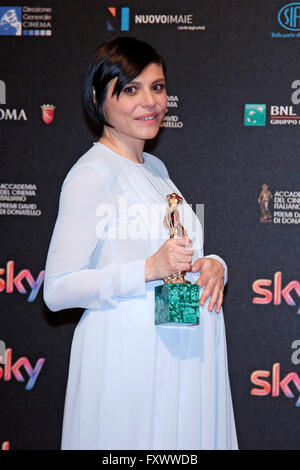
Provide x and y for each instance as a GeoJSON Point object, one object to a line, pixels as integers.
{"type": "Point", "coordinates": [176, 230]}
{"type": "Point", "coordinates": [177, 300]}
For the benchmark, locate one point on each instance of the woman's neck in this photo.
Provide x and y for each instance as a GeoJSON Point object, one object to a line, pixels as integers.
{"type": "Point", "coordinates": [123, 145]}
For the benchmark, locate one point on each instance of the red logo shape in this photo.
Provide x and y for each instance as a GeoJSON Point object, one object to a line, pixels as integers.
{"type": "Point", "coordinates": [48, 113]}
{"type": "Point", "coordinates": [5, 445]}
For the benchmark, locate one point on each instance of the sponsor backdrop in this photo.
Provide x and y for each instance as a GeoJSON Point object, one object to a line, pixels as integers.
{"type": "Point", "coordinates": [230, 140]}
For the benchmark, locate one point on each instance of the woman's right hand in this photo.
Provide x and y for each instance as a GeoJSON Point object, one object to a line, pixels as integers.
{"type": "Point", "coordinates": [175, 255]}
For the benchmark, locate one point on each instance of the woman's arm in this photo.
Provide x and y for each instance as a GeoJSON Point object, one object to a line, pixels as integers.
{"type": "Point", "coordinates": [69, 282]}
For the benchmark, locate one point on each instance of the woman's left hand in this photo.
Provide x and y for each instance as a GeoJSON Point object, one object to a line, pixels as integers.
{"type": "Point", "coordinates": [212, 275]}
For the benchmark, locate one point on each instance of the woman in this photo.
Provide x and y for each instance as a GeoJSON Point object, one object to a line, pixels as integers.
{"type": "Point", "coordinates": [131, 384]}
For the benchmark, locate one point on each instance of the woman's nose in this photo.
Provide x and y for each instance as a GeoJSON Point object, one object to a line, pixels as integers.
{"type": "Point", "coordinates": [148, 98]}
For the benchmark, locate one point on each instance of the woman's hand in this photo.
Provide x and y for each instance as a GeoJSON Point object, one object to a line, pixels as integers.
{"type": "Point", "coordinates": [175, 255]}
{"type": "Point", "coordinates": [212, 275]}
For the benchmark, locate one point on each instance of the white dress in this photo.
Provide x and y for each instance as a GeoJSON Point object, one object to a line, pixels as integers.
{"type": "Point", "coordinates": [132, 385]}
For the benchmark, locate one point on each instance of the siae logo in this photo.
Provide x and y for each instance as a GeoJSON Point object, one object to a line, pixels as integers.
{"type": "Point", "coordinates": [118, 19]}
{"type": "Point", "coordinates": [289, 17]}
{"type": "Point", "coordinates": [9, 114]}
{"type": "Point", "coordinates": [11, 369]}
{"type": "Point", "coordinates": [13, 281]}
{"type": "Point", "coordinates": [267, 295]}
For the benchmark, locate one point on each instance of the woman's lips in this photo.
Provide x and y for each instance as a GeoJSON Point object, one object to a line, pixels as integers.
{"type": "Point", "coordinates": [147, 117]}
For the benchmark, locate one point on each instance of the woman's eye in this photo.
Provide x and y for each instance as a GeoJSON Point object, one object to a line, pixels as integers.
{"type": "Point", "coordinates": [129, 90]}
{"type": "Point", "coordinates": [159, 87]}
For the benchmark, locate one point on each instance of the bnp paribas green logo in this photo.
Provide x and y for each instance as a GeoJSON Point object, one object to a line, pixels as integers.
{"type": "Point", "coordinates": [255, 115]}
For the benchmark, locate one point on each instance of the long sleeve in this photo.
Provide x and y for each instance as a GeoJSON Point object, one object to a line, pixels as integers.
{"type": "Point", "coordinates": [224, 265]}
{"type": "Point", "coordinates": [69, 281]}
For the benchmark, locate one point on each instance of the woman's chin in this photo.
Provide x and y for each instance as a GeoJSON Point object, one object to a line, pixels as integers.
{"type": "Point", "coordinates": [148, 134]}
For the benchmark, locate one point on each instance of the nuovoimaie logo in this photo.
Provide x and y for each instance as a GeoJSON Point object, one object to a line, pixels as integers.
{"type": "Point", "coordinates": [118, 19]}
{"type": "Point", "coordinates": [289, 16]}
{"type": "Point", "coordinates": [255, 115]}
{"type": "Point", "coordinates": [10, 21]}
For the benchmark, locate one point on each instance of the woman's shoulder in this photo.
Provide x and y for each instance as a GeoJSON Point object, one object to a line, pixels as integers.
{"type": "Point", "coordinates": [156, 164]}
{"type": "Point", "coordinates": [97, 158]}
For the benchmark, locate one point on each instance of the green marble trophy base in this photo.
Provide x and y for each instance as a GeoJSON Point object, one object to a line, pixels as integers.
{"type": "Point", "coordinates": [176, 304]}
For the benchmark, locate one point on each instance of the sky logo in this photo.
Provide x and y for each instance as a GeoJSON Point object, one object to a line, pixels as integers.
{"type": "Point", "coordinates": [10, 21]}
{"type": "Point", "coordinates": [277, 292]}
{"type": "Point", "coordinates": [113, 19]}
{"type": "Point", "coordinates": [289, 17]}
{"type": "Point", "coordinates": [17, 369]}
{"type": "Point", "coordinates": [275, 384]}
{"type": "Point", "coordinates": [14, 281]}
{"type": "Point", "coordinates": [255, 115]}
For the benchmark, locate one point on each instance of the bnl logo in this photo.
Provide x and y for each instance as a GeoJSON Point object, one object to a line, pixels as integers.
{"type": "Point", "coordinates": [255, 115]}
{"type": "Point", "coordinates": [117, 21]}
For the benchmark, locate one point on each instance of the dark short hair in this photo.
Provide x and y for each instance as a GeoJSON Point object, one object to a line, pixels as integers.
{"type": "Point", "coordinates": [123, 57]}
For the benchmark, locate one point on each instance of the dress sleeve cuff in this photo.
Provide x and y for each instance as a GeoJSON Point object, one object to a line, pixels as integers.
{"type": "Point", "coordinates": [133, 278]}
{"type": "Point", "coordinates": [224, 265]}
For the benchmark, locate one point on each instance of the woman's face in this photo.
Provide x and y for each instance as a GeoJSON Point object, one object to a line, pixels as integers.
{"type": "Point", "coordinates": [141, 106]}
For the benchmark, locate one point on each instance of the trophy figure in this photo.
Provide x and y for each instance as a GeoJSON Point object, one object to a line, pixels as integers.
{"type": "Point", "coordinates": [263, 200]}
{"type": "Point", "coordinates": [177, 300]}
